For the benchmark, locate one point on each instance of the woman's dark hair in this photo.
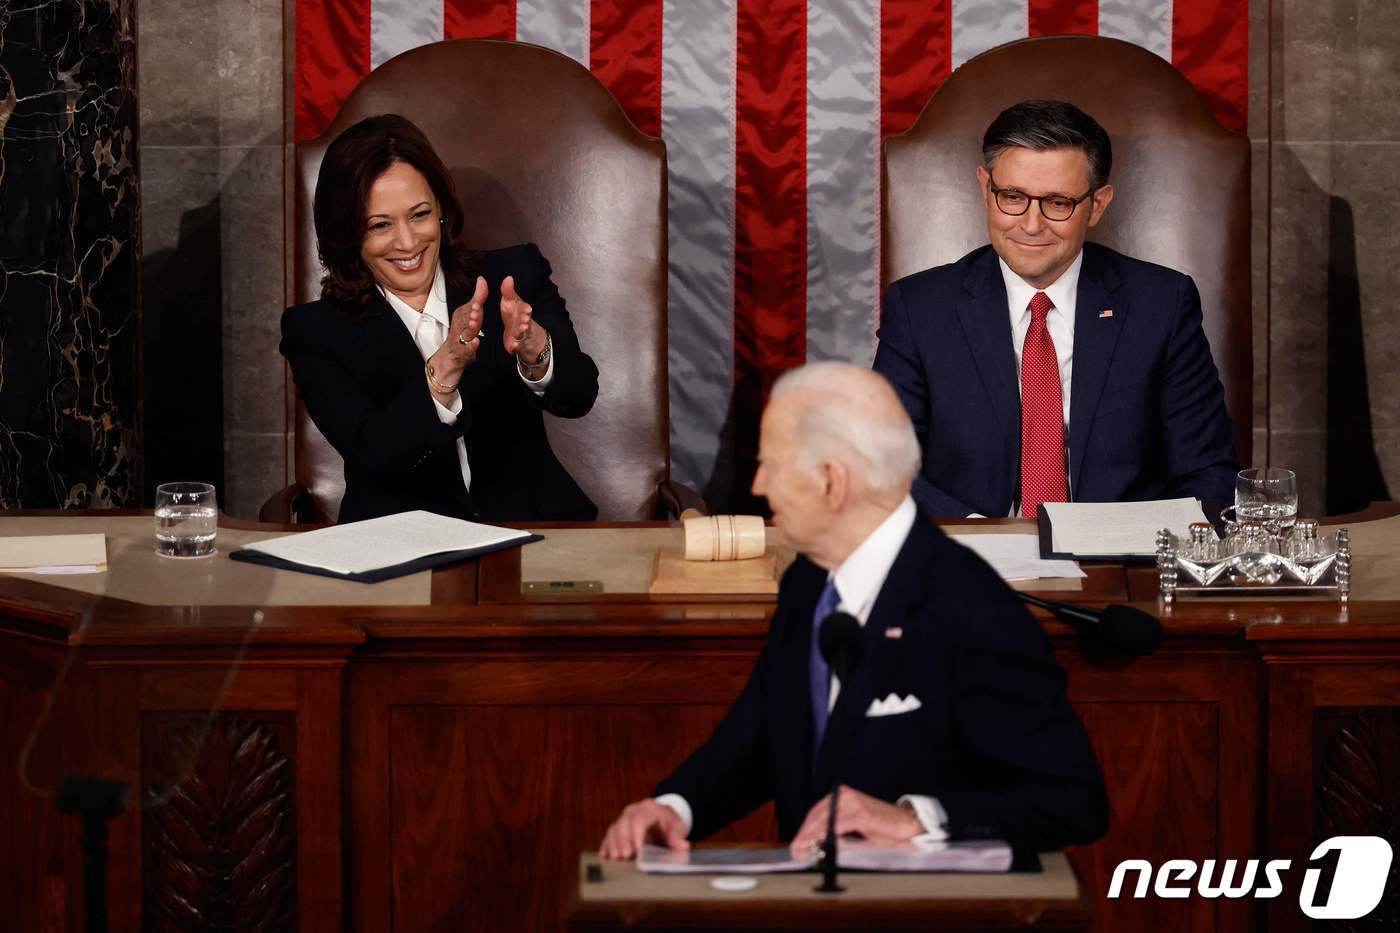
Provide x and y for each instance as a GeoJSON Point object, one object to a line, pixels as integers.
{"type": "Point", "coordinates": [1042, 125]}
{"type": "Point", "coordinates": [353, 161]}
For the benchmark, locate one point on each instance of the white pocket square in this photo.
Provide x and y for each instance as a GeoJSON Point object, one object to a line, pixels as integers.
{"type": "Point", "coordinates": [893, 705]}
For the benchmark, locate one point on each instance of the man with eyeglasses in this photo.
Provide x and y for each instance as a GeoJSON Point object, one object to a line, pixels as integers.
{"type": "Point", "coordinates": [1041, 368]}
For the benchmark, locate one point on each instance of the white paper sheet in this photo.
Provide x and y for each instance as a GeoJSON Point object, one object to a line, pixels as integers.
{"type": "Point", "coordinates": [358, 547]}
{"type": "Point", "coordinates": [1110, 528]}
{"type": "Point", "coordinates": [53, 554]}
{"type": "Point", "coordinates": [983, 855]}
{"type": "Point", "coordinates": [1017, 557]}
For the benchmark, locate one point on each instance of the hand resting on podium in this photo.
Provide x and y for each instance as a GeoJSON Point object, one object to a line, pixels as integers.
{"type": "Point", "coordinates": [858, 814]}
{"type": "Point", "coordinates": [643, 821]}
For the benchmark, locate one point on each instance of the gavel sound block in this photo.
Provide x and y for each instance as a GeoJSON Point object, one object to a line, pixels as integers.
{"type": "Point", "coordinates": [722, 554]}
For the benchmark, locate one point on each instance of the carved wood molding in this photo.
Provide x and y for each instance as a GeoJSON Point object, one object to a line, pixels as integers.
{"type": "Point", "coordinates": [1357, 792]}
{"type": "Point", "coordinates": [219, 827]}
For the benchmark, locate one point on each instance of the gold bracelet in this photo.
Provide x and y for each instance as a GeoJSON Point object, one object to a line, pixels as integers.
{"type": "Point", "coordinates": [434, 384]}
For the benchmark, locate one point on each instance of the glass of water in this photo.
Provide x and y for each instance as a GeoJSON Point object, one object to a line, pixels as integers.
{"type": "Point", "coordinates": [187, 517]}
{"type": "Point", "coordinates": [1268, 495]}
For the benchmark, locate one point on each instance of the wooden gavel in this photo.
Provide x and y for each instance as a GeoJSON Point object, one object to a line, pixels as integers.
{"type": "Point", "coordinates": [722, 537]}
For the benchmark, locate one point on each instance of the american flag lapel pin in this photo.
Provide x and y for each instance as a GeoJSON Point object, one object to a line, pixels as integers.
{"type": "Point", "coordinates": [1106, 312]}
{"type": "Point", "coordinates": [894, 632]}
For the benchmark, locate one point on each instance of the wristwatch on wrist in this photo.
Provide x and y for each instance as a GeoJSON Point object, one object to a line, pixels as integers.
{"type": "Point", "coordinates": [543, 358]}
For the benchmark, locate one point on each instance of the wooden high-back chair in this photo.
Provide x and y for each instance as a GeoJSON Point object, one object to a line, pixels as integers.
{"type": "Point", "coordinates": [1180, 179]}
{"type": "Point", "coordinates": [540, 152]}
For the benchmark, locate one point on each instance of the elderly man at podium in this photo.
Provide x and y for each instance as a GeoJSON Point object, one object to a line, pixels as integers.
{"type": "Point", "coordinates": [955, 724]}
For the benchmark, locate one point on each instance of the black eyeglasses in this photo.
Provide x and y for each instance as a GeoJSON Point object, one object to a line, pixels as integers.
{"type": "Point", "coordinates": [1016, 202]}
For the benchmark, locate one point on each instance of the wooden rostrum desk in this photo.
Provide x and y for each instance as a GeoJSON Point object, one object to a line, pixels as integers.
{"type": "Point", "coordinates": [433, 753]}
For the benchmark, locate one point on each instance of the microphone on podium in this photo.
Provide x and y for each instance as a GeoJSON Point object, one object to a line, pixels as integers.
{"type": "Point", "coordinates": [842, 642]}
{"type": "Point", "coordinates": [1122, 627]}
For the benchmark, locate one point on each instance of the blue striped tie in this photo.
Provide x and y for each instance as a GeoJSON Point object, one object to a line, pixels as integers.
{"type": "Point", "coordinates": [818, 674]}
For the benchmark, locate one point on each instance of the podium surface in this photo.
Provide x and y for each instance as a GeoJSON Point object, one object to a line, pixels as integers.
{"type": "Point", "coordinates": [628, 899]}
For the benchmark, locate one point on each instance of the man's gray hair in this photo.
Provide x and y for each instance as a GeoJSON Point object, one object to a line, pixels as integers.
{"type": "Point", "coordinates": [852, 415]}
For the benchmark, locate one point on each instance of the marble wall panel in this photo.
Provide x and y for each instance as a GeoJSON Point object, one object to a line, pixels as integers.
{"type": "Point", "coordinates": [1298, 300]}
{"type": "Point", "coordinates": [1306, 70]}
{"type": "Point", "coordinates": [253, 289]}
{"type": "Point", "coordinates": [1335, 123]}
{"type": "Point", "coordinates": [69, 305]}
{"type": "Point", "coordinates": [1363, 406]}
{"type": "Point", "coordinates": [212, 119]}
{"type": "Point", "coordinates": [211, 72]}
{"type": "Point", "coordinates": [1339, 70]}
{"type": "Point", "coordinates": [254, 464]}
{"type": "Point", "coordinates": [182, 298]}
{"type": "Point", "coordinates": [1305, 453]}
{"type": "Point", "coordinates": [1259, 286]}
{"type": "Point", "coordinates": [1257, 121]}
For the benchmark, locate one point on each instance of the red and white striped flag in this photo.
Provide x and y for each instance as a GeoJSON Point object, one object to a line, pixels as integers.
{"type": "Point", "coordinates": [772, 112]}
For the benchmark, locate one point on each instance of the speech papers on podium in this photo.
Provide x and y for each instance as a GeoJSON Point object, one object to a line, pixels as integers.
{"type": "Point", "coordinates": [381, 548]}
{"type": "Point", "coordinates": [979, 855]}
{"type": "Point", "coordinates": [1112, 530]}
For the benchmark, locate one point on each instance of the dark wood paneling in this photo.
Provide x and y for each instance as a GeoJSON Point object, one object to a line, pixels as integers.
{"type": "Point", "coordinates": [219, 822]}
{"type": "Point", "coordinates": [1290, 786]}
{"type": "Point", "coordinates": [491, 805]}
{"type": "Point", "coordinates": [320, 780]}
{"type": "Point", "coordinates": [1357, 787]}
{"type": "Point", "coordinates": [469, 730]}
{"type": "Point", "coordinates": [1161, 765]}
{"type": "Point", "coordinates": [34, 889]}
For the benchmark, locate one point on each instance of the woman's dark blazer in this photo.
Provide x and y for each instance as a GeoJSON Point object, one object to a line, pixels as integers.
{"type": "Point", "coordinates": [363, 384]}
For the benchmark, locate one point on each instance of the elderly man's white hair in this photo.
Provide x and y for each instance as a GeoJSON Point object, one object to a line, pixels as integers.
{"type": "Point", "coordinates": [851, 414]}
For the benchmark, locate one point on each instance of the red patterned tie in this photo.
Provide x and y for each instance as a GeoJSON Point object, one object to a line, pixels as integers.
{"type": "Point", "coordinates": [1042, 415]}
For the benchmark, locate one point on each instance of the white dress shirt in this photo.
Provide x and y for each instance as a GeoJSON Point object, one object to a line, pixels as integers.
{"type": "Point", "coordinates": [858, 581]}
{"type": "Point", "coordinates": [429, 328]}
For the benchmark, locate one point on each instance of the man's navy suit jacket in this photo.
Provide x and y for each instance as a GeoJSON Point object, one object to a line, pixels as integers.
{"type": "Point", "coordinates": [1147, 411]}
{"type": "Point", "coordinates": [363, 384]}
{"type": "Point", "coordinates": [995, 740]}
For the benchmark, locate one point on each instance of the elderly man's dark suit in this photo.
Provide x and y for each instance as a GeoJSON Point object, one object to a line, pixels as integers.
{"type": "Point", "coordinates": [995, 740]}
{"type": "Point", "coordinates": [1147, 413]}
{"type": "Point", "coordinates": [363, 384]}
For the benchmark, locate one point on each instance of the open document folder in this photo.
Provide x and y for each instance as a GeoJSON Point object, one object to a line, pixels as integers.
{"type": "Point", "coordinates": [381, 548]}
{"type": "Point", "coordinates": [981, 855]}
{"type": "Point", "coordinates": [1116, 531]}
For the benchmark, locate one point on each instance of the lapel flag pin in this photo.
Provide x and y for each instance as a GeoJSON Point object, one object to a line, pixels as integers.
{"type": "Point", "coordinates": [1107, 312]}
{"type": "Point", "coordinates": [894, 633]}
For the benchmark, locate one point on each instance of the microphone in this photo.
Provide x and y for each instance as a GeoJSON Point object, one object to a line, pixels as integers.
{"type": "Point", "coordinates": [1122, 627]}
{"type": "Point", "coordinates": [842, 643]}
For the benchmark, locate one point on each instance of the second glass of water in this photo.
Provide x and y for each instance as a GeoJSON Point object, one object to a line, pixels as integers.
{"type": "Point", "coordinates": [187, 518]}
{"type": "Point", "coordinates": [1268, 495]}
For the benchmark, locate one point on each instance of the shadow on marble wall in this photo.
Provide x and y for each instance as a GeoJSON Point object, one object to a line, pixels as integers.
{"type": "Point", "coordinates": [1320, 400]}
{"type": "Point", "coordinates": [213, 283]}
{"type": "Point", "coordinates": [1354, 477]}
{"type": "Point", "coordinates": [182, 346]}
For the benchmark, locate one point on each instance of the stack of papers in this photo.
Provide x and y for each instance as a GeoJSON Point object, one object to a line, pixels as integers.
{"type": "Point", "coordinates": [1017, 557]}
{"type": "Point", "coordinates": [982, 855]}
{"type": "Point", "coordinates": [381, 548]}
{"type": "Point", "coordinates": [54, 554]}
{"type": "Point", "coordinates": [1114, 530]}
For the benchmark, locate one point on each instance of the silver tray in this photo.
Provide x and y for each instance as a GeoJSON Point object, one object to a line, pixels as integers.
{"type": "Point", "coordinates": [1294, 561]}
